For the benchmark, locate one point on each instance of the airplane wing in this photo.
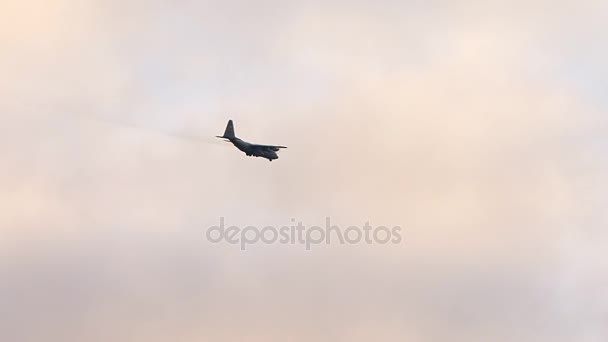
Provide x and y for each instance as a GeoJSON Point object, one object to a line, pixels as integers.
{"type": "Point", "coordinates": [268, 147]}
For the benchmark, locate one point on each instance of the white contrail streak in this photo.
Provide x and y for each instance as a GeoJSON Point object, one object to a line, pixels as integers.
{"type": "Point", "coordinates": [182, 136]}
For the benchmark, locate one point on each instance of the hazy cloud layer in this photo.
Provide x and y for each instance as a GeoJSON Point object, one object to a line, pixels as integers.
{"type": "Point", "coordinates": [479, 127]}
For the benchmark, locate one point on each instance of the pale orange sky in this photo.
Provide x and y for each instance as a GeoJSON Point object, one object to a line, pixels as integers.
{"type": "Point", "coordinates": [479, 127]}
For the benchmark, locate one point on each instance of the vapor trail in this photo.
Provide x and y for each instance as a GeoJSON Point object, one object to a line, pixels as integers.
{"type": "Point", "coordinates": [113, 122]}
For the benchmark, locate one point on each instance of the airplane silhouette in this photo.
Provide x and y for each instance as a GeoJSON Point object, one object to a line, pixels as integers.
{"type": "Point", "coordinates": [252, 150]}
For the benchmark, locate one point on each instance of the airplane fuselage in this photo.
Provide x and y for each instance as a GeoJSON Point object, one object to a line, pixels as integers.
{"type": "Point", "coordinates": [250, 149]}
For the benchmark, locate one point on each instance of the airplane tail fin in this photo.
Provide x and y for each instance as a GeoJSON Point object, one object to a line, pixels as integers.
{"type": "Point", "coordinates": [229, 132]}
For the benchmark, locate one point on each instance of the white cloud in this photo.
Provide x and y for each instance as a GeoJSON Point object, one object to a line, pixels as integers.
{"type": "Point", "coordinates": [440, 118]}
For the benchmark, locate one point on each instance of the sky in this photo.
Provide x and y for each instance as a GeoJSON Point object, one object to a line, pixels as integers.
{"type": "Point", "coordinates": [479, 127]}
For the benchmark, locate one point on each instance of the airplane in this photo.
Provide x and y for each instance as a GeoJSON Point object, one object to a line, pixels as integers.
{"type": "Point", "coordinates": [252, 150]}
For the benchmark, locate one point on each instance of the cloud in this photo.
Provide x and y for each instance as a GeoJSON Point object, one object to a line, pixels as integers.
{"type": "Point", "coordinates": [457, 122]}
